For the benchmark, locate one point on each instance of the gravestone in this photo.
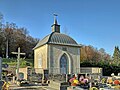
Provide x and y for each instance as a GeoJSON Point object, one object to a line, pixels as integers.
{"type": "Point", "coordinates": [59, 81]}
{"type": "Point", "coordinates": [45, 75]}
{"type": "Point", "coordinates": [21, 76]}
{"type": "Point", "coordinates": [59, 85]}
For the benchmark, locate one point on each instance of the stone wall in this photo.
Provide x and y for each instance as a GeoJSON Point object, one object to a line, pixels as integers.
{"type": "Point", "coordinates": [91, 70]}
{"type": "Point", "coordinates": [50, 58]}
{"type": "Point", "coordinates": [73, 54]}
{"type": "Point", "coordinates": [40, 58]}
{"type": "Point", "coordinates": [94, 72]}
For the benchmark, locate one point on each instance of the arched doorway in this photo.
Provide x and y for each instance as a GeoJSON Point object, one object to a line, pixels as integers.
{"type": "Point", "coordinates": [64, 64]}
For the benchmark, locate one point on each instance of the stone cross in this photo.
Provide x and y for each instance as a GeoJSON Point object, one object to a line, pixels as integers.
{"type": "Point", "coordinates": [18, 61]}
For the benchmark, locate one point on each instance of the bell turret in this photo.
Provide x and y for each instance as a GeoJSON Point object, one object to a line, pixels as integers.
{"type": "Point", "coordinates": [55, 26]}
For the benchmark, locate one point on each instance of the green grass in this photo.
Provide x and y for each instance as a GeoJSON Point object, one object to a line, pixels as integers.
{"type": "Point", "coordinates": [13, 62]}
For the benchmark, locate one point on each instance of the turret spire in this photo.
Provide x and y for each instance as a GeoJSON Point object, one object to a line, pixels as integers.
{"type": "Point", "coordinates": [55, 26]}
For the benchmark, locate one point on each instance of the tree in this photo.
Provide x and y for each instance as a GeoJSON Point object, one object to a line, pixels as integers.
{"type": "Point", "coordinates": [89, 53]}
{"type": "Point", "coordinates": [1, 18]}
{"type": "Point", "coordinates": [12, 37]}
{"type": "Point", "coordinates": [2, 44]}
{"type": "Point", "coordinates": [116, 55]}
{"type": "Point", "coordinates": [104, 56]}
{"type": "Point", "coordinates": [93, 55]}
{"type": "Point", "coordinates": [8, 30]}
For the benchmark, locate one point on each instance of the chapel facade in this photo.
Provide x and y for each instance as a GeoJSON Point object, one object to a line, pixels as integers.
{"type": "Point", "coordinates": [57, 53]}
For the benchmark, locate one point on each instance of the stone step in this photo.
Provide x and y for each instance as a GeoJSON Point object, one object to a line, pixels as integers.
{"type": "Point", "coordinates": [58, 85]}
{"type": "Point", "coordinates": [55, 85]}
{"type": "Point", "coordinates": [49, 88]}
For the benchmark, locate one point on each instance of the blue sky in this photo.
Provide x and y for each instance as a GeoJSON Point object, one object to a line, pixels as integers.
{"type": "Point", "coordinates": [89, 22]}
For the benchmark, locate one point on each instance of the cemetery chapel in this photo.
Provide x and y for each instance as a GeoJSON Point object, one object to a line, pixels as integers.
{"type": "Point", "coordinates": [57, 53]}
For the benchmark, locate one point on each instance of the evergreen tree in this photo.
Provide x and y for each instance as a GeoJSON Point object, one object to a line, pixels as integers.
{"type": "Point", "coordinates": [116, 55]}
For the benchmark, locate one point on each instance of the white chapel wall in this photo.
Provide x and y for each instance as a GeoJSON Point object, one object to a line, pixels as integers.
{"type": "Point", "coordinates": [40, 58]}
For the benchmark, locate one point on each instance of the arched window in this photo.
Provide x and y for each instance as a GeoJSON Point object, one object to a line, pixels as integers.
{"type": "Point", "coordinates": [39, 61]}
{"type": "Point", "coordinates": [63, 64]}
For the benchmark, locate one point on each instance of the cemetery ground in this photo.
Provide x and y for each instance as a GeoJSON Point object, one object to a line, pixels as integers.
{"type": "Point", "coordinates": [105, 84]}
{"type": "Point", "coordinates": [14, 86]}
{"type": "Point", "coordinates": [29, 87]}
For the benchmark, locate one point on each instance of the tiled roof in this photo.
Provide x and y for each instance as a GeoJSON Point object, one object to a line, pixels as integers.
{"type": "Point", "coordinates": [57, 38]}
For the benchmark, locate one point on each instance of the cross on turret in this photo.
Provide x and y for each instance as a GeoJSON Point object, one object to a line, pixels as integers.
{"type": "Point", "coordinates": [55, 18]}
{"type": "Point", "coordinates": [55, 26]}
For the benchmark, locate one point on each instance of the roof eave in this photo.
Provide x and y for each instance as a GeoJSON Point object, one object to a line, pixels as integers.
{"type": "Point", "coordinates": [72, 45]}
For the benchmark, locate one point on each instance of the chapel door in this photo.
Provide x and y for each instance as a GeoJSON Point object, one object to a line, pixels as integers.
{"type": "Point", "coordinates": [63, 64]}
